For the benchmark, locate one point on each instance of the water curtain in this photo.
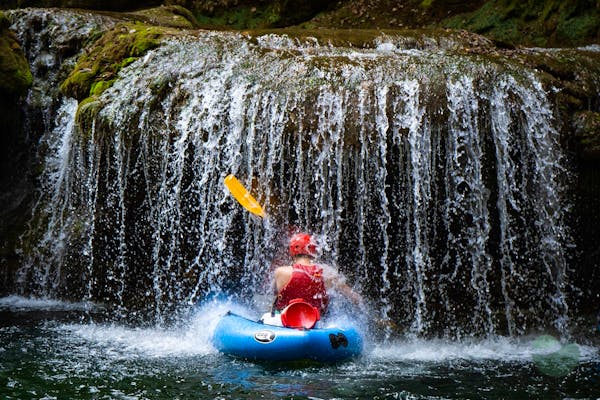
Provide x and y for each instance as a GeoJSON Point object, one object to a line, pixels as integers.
{"type": "Point", "coordinates": [433, 179]}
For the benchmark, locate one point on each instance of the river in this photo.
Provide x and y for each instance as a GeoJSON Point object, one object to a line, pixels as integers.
{"type": "Point", "coordinates": [50, 350]}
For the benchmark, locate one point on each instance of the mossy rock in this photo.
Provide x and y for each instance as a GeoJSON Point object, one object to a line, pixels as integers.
{"type": "Point", "coordinates": [534, 23]}
{"type": "Point", "coordinates": [575, 88]}
{"type": "Point", "coordinates": [112, 5]}
{"type": "Point", "coordinates": [15, 75]}
{"type": "Point", "coordinates": [368, 38]}
{"type": "Point", "coordinates": [253, 14]}
{"type": "Point", "coordinates": [87, 111]}
{"type": "Point", "coordinates": [98, 67]}
{"type": "Point", "coordinates": [587, 134]}
{"type": "Point", "coordinates": [4, 22]}
{"type": "Point", "coordinates": [174, 16]}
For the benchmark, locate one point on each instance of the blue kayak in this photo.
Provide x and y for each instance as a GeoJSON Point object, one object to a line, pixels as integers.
{"type": "Point", "coordinates": [242, 337]}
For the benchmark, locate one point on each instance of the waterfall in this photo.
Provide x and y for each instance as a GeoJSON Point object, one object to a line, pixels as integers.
{"type": "Point", "coordinates": [433, 179]}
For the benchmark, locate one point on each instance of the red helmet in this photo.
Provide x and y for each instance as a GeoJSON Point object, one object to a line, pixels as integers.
{"type": "Point", "coordinates": [303, 244]}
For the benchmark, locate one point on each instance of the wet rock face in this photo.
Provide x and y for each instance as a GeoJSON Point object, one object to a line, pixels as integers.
{"type": "Point", "coordinates": [249, 14]}
{"type": "Point", "coordinates": [97, 69]}
{"type": "Point", "coordinates": [539, 23]}
{"type": "Point", "coordinates": [39, 47]}
{"type": "Point", "coordinates": [570, 75]}
{"type": "Point", "coordinates": [547, 23]}
{"type": "Point", "coordinates": [114, 5]}
{"type": "Point", "coordinates": [15, 80]}
{"type": "Point", "coordinates": [15, 76]}
{"type": "Point", "coordinates": [587, 134]}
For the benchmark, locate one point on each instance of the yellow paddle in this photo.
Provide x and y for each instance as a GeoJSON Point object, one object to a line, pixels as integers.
{"type": "Point", "coordinates": [243, 196]}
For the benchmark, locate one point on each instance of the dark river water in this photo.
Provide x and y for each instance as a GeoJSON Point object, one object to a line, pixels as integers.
{"type": "Point", "coordinates": [50, 350]}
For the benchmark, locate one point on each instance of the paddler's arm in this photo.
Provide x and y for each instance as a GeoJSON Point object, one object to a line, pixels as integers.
{"type": "Point", "coordinates": [282, 276]}
{"type": "Point", "coordinates": [350, 293]}
{"type": "Point", "coordinates": [336, 281]}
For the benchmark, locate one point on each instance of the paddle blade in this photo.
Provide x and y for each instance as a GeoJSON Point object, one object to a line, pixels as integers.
{"type": "Point", "coordinates": [243, 196]}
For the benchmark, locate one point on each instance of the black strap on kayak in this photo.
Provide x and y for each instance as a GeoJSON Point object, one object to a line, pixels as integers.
{"type": "Point", "coordinates": [338, 340]}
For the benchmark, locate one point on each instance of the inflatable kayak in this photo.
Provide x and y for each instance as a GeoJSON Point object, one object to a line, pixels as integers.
{"type": "Point", "coordinates": [241, 337]}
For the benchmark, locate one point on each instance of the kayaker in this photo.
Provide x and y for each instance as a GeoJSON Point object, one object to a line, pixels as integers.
{"type": "Point", "coordinates": [307, 280]}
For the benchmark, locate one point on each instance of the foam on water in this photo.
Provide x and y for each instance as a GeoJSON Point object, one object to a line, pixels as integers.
{"type": "Point", "coordinates": [190, 338]}
{"type": "Point", "coordinates": [502, 349]}
{"type": "Point", "coordinates": [20, 303]}
{"type": "Point", "coordinates": [193, 338]}
{"type": "Point", "coordinates": [53, 359]}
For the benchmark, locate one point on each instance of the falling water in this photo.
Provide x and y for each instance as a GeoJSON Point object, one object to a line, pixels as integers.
{"type": "Point", "coordinates": [432, 178]}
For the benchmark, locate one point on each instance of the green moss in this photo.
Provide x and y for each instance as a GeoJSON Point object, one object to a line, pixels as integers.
{"type": "Point", "coordinates": [244, 17]}
{"type": "Point", "coordinates": [145, 40]}
{"type": "Point", "coordinates": [97, 68]}
{"type": "Point", "coordinates": [100, 86]}
{"type": "Point", "coordinates": [174, 16]}
{"type": "Point", "coordinates": [462, 20]}
{"type": "Point", "coordinates": [15, 75]}
{"type": "Point", "coordinates": [127, 61]}
{"type": "Point", "coordinates": [86, 113]}
{"type": "Point", "coordinates": [573, 30]}
{"type": "Point", "coordinates": [4, 21]}
{"type": "Point", "coordinates": [539, 23]}
{"type": "Point", "coordinates": [78, 84]}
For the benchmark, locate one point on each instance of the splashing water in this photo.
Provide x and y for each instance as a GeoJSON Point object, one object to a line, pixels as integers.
{"type": "Point", "coordinates": [90, 360]}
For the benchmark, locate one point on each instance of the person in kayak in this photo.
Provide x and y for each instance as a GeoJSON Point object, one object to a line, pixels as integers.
{"type": "Point", "coordinates": [305, 279]}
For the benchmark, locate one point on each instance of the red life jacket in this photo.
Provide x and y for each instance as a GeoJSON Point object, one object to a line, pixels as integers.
{"type": "Point", "coordinates": [306, 283]}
